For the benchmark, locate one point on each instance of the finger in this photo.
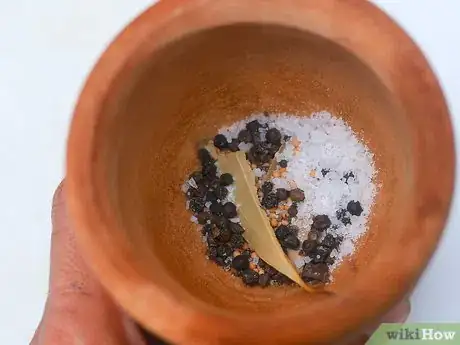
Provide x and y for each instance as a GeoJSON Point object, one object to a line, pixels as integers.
{"type": "Point", "coordinates": [35, 337]}
{"type": "Point", "coordinates": [399, 313]}
{"type": "Point", "coordinates": [69, 275]}
{"type": "Point", "coordinates": [77, 311]}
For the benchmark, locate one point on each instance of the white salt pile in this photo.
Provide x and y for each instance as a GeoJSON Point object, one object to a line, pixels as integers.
{"type": "Point", "coordinates": [330, 164]}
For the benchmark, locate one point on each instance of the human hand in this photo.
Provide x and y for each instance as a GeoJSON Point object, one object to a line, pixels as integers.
{"type": "Point", "coordinates": [79, 311]}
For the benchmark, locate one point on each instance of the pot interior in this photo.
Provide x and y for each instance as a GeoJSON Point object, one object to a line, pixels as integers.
{"type": "Point", "coordinates": [188, 89]}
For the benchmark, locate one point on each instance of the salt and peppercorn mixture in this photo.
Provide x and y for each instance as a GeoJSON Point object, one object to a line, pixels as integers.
{"type": "Point", "coordinates": [314, 181]}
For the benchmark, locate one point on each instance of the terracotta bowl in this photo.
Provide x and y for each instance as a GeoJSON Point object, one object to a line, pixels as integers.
{"type": "Point", "coordinates": [185, 68]}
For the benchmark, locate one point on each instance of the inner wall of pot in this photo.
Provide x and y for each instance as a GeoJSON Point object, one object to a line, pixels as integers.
{"type": "Point", "coordinates": [195, 85]}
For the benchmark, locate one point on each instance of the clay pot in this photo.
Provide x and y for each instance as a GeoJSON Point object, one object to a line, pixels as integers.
{"type": "Point", "coordinates": [185, 68]}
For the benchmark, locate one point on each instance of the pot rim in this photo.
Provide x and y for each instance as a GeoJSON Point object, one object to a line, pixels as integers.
{"type": "Point", "coordinates": [84, 186]}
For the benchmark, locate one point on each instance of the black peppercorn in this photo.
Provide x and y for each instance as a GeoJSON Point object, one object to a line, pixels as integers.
{"type": "Point", "coordinates": [219, 221]}
{"type": "Point", "coordinates": [264, 279]}
{"type": "Point", "coordinates": [250, 277]}
{"type": "Point", "coordinates": [331, 241]}
{"type": "Point", "coordinates": [271, 270]}
{"type": "Point", "coordinates": [253, 126]}
{"type": "Point", "coordinates": [250, 156]}
{"type": "Point", "coordinates": [230, 210]}
{"type": "Point", "coordinates": [220, 141]}
{"type": "Point", "coordinates": [320, 254]}
{"type": "Point", "coordinates": [196, 205]}
{"type": "Point", "coordinates": [355, 208]}
{"type": "Point", "coordinates": [212, 253]}
{"type": "Point", "coordinates": [273, 149]}
{"type": "Point", "coordinates": [273, 136]}
{"type": "Point", "coordinates": [283, 163]}
{"type": "Point", "coordinates": [321, 222]}
{"type": "Point", "coordinates": [244, 136]}
{"type": "Point", "coordinates": [199, 192]}
{"type": "Point", "coordinates": [282, 232]}
{"type": "Point", "coordinates": [294, 230]}
{"type": "Point", "coordinates": [291, 242]}
{"type": "Point", "coordinates": [292, 210]}
{"type": "Point", "coordinates": [330, 261]}
{"type": "Point", "coordinates": [269, 201]}
{"type": "Point", "coordinates": [209, 171]}
{"type": "Point", "coordinates": [211, 196]}
{"type": "Point", "coordinates": [267, 187]}
{"type": "Point", "coordinates": [308, 246]}
{"type": "Point", "coordinates": [314, 235]}
{"type": "Point", "coordinates": [236, 228]}
{"type": "Point", "coordinates": [215, 232]}
{"type": "Point", "coordinates": [203, 217]}
{"type": "Point", "coordinates": [197, 176]}
{"type": "Point", "coordinates": [216, 209]}
{"type": "Point", "coordinates": [226, 179]}
{"type": "Point", "coordinates": [210, 181]}
{"type": "Point", "coordinates": [224, 236]}
{"type": "Point", "coordinates": [240, 262]}
{"type": "Point", "coordinates": [318, 271]}
{"type": "Point", "coordinates": [221, 192]}
{"type": "Point", "coordinates": [282, 194]}
{"type": "Point", "coordinates": [260, 154]}
{"type": "Point", "coordinates": [220, 261]}
{"type": "Point", "coordinates": [205, 157]}
{"type": "Point", "coordinates": [237, 241]}
{"type": "Point", "coordinates": [342, 215]}
{"type": "Point", "coordinates": [206, 229]}
{"type": "Point", "coordinates": [224, 251]}
{"type": "Point", "coordinates": [297, 194]}
{"type": "Point", "coordinates": [211, 242]}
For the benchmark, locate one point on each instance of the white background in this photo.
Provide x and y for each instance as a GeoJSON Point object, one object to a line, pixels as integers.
{"type": "Point", "coordinates": [47, 48]}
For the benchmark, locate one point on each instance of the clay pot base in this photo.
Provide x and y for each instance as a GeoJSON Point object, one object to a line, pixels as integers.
{"type": "Point", "coordinates": [189, 89]}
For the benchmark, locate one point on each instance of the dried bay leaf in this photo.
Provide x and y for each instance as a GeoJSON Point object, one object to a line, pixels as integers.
{"type": "Point", "coordinates": [259, 232]}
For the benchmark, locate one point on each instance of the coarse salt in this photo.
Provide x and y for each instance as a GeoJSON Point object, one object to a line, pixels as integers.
{"type": "Point", "coordinates": [325, 149]}
{"type": "Point", "coordinates": [259, 172]}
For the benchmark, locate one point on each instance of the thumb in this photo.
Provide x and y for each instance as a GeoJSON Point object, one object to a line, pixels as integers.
{"type": "Point", "coordinates": [77, 311]}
